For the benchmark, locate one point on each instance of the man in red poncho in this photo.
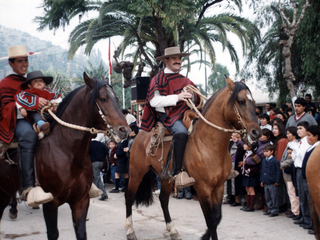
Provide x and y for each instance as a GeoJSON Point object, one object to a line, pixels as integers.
{"type": "Point", "coordinates": [13, 124]}
{"type": "Point", "coordinates": [166, 102]}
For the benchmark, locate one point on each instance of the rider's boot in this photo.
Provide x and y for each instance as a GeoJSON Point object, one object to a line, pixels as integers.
{"type": "Point", "coordinates": [27, 147]}
{"type": "Point", "coordinates": [182, 178]}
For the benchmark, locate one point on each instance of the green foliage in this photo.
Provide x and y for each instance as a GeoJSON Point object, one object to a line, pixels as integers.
{"type": "Point", "coordinates": [266, 64]}
{"type": "Point", "coordinates": [217, 79]}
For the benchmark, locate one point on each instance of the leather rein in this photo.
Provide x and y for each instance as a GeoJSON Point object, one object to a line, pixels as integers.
{"type": "Point", "coordinates": [242, 132]}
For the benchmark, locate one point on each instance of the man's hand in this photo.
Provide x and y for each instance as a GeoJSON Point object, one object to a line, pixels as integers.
{"type": "Point", "coordinates": [183, 96]}
{"type": "Point", "coordinates": [42, 102]}
{"type": "Point", "coordinates": [23, 112]}
{"type": "Point", "coordinates": [261, 184]}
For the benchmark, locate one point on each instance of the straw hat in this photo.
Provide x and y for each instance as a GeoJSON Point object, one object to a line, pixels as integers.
{"type": "Point", "coordinates": [18, 51]}
{"type": "Point", "coordinates": [172, 51]}
{"type": "Point", "coordinates": [34, 75]}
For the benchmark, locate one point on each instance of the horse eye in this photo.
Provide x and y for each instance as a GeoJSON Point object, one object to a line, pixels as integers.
{"type": "Point", "coordinates": [241, 102]}
{"type": "Point", "coordinates": [103, 99]}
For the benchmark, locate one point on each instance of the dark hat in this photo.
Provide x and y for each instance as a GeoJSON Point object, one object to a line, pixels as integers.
{"type": "Point", "coordinates": [34, 75]}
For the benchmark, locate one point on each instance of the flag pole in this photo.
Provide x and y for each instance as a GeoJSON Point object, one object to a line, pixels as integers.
{"type": "Point", "coordinates": [109, 59]}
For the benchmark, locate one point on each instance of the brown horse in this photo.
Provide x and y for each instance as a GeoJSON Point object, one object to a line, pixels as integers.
{"type": "Point", "coordinates": [206, 158]}
{"type": "Point", "coordinates": [312, 173]}
{"type": "Point", "coordinates": [63, 165]}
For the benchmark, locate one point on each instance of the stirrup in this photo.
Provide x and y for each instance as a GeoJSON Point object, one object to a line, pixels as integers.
{"type": "Point", "coordinates": [24, 194]}
{"type": "Point", "coordinates": [94, 191]}
{"type": "Point", "coordinates": [183, 180]}
{"type": "Point", "coordinates": [233, 174]}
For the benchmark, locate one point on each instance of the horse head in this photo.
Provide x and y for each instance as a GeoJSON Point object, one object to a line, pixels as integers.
{"type": "Point", "coordinates": [240, 110]}
{"type": "Point", "coordinates": [107, 114]}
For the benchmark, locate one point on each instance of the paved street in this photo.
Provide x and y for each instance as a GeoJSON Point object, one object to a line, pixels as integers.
{"type": "Point", "coordinates": [107, 220]}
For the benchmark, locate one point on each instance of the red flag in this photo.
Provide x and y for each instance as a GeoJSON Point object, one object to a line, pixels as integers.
{"type": "Point", "coordinates": [109, 58]}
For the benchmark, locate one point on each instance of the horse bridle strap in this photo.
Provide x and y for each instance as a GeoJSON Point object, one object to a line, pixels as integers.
{"type": "Point", "coordinates": [91, 130]}
{"type": "Point", "coordinates": [192, 106]}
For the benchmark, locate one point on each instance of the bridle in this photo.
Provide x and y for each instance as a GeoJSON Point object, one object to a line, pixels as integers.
{"type": "Point", "coordinates": [242, 131]}
{"type": "Point", "coordinates": [109, 131]}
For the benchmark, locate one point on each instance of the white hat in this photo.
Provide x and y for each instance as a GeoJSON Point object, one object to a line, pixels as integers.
{"type": "Point", "coordinates": [172, 51]}
{"type": "Point", "coordinates": [18, 51]}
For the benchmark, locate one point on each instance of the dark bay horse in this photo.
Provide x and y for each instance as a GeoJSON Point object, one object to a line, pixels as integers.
{"type": "Point", "coordinates": [312, 173]}
{"type": "Point", "coordinates": [62, 159]}
{"type": "Point", "coordinates": [206, 158]}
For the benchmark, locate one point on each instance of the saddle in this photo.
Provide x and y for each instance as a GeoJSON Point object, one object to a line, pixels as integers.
{"type": "Point", "coordinates": [160, 134]}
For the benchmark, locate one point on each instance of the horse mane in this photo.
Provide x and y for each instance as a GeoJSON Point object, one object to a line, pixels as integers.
{"type": "Point", "coordinates": [66, 101]}
{"type": "Point", "coordinates": [238, 87]}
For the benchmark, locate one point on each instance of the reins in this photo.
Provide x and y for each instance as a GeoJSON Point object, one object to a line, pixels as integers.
{"type": "Point", "coordinates": [92, 130]}
{"type": "Point", "coordinates": [202, 98]}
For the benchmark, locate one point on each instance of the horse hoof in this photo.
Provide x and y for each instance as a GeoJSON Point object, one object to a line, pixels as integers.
{"type": "Point", "coordinates": [13, 216]}
{"type": "Point", "coordinates": [175, 237]}
{"type": "Point", "coordinates": [131, 236]}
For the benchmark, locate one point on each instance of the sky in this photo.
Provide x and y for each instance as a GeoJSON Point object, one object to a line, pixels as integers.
{"type": "Point", "coordinates": [19, 14]}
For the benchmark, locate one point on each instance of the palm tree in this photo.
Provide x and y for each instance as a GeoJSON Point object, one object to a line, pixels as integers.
{"type": "Point", "coordinates": [150, 28]}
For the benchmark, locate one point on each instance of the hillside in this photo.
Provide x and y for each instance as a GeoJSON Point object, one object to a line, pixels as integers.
{"type": "Point", "coordinates": [51, 58]}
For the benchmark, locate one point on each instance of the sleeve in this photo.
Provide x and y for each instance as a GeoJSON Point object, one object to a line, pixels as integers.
{"type": "Point", "coordinates": [120, 152]}
{"type": "Point", "coordinates": [279, 172]}
{"type": "Point", "coordinates": [163, 101]}
{"type": "Point", "coordinates": [250, 161]}
{"type": "Point", "coordinates": [286, 163]}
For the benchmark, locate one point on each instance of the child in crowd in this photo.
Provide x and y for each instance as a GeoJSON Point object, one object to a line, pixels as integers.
{"type": "Point", "coordinates": [270, 179]}
{"type": "Point", "coordinates": [250, 172]}
{"type": "Point", "coordinates": [313, 137]}
{"type": "Point", "coordinates": [297, 156]}
{"type": "Point", "coordinates": [264, 121]}
{"type": "Point", "coordinates": [34, 91]}
{"type": "Point", "coordinates": [113, 159]}
{"type": "Point", "coordinates": [287, 168]}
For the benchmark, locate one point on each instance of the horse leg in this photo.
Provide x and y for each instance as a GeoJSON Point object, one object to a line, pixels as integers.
{"type": "Point", "coordinates": [166, 188]}
{"type": "Point", "coordinates": [13, 212]}
{"type": "Point", "coordinates": [135, 179]}
{"type": "Point", "coordinates": [79, 214]}
{"type": "Point", "coordinates": [4, 202]}
{"type": "Point", "coordinates": [50, 213]}
{"type": "Point", "coordinates": [210, 201]}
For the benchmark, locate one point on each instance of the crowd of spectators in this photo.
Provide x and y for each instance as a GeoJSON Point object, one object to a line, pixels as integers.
{"type": "Point", "coordinates": [272, 171]}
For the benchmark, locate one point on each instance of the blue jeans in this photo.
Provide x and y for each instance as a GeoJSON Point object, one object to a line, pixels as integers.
{"type": "Point", "coordinates": [22, 126]}
{"type": "Point", "coordinates": [177, 127]}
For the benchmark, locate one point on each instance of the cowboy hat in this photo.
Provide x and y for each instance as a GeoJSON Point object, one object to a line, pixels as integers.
{"type": "Point", "coordinates": [172, 51]}
{"type": "Point", "coordinates": [18, 51]}
{"type": "Point", "coordinates": [34, 75]}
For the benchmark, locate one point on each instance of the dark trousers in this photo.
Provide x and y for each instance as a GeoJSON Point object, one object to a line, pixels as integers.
{"type": "Point", "coordinates": [303, 191]}
{"type": "Point", "coordinates": [34, 116]}
{"type": "Point", "coordinates": [271, 193]}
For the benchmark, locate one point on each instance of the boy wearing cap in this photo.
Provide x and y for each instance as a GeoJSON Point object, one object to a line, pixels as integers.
{"type": "Point", "coordinates": [26, 99]}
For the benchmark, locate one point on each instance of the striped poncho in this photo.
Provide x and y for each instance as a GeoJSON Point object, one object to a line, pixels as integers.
{"type": "Point", "coordinates": [29, 98]}
{"type": "Point", "coordinates": [9, 87]}
{"type": "Point", "coordinates": [166, 84]}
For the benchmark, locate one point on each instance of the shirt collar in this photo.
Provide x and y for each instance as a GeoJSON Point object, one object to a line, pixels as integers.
{"type": "Point", "coordinates": [167, 70]}
{"type": "Point", "coordinates": [268, 158]}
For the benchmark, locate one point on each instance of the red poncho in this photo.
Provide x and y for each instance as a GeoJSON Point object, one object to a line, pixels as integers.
{"type": "Point", "coordinates": [9, 87]}
{"type": "Point", "coordinates": [166, 84]}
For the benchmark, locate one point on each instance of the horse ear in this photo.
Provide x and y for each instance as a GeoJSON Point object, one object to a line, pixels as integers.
{"type": "Point", "coordinates": [88, 81]}
{"type": "Point", "coordinates": [230, 83]}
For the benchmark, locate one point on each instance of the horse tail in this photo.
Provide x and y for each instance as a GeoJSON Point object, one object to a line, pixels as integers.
{"type": "Point", "coordinates": [144, 195]}
{"type": "Point", "coordinates": [165, 174]}
{"type": "Point", "coordinates": [315, 217]}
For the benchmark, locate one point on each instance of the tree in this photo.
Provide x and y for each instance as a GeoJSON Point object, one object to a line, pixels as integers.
{"type": "Point", "coordinates": [145, 22]}
{"type": "Point", "coordinates": [291, 28]}
{"type": "Point", "coordinates": [266, 64]}
{"type": "Point", "coordinates": [217, 79]}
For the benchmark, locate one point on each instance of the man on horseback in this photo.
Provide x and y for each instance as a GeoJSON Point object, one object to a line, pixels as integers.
{"type": "Point", "coordinates": [12, 124]}
{"type": "Point", "coordinates": [166, 102]}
